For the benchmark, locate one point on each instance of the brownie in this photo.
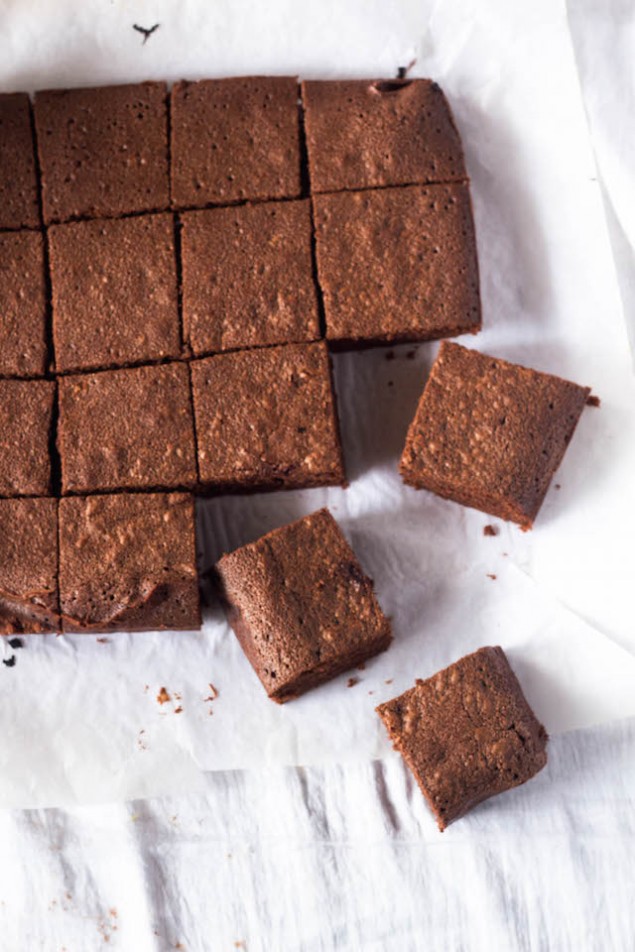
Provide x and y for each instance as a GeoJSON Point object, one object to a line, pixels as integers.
{"type": "Point", "coordinates": [128, 562]}
{"type": "Point", "coordinates": [23, 350]}
{"type": "Point", "coordinates": [267, 419]}
{"type": "Point", "coordinates": [248, 277]}
{"type": "Point", "coordinates": [26, 413]}
{"type": "Point", "coordinates": [103, 151]}
{"type": "Point", "coordinates": [114, 290]}
{"type": "Point", "coordinates": [19, 206]}
{"type": "Point", "coordinates": [301, 606]}
{"type": "Point", "coordinates": [28, 566]}
{"type": "Point", "coordinates": [397, 264]}
{"type": "Point", "coordinates": [126, 429]}
{"type": "Point", "coordinates": [467, 733]}
{"type": "Point", "coordinates": [367, 133]}
{"type": "Point", "coordinates": [490, 434]}
{"type": "Point", "coordinates": [235, 139]}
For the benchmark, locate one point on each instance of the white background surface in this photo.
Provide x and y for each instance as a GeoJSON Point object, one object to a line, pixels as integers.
{"type": "Point", "coordinates": [346, 856]}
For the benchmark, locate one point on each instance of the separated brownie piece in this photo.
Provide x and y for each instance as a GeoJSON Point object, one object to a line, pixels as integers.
{"type": "Point", "coordinates": [490, 434]}
{"type": "Point", "coordinates": [104, 151]}
{"type": "Point", "coordinates": [397, 264]}
{"type": "Point", "coordinates": [26, 411]}
{"type": "Point", "coordinates": [248, 277]}
{"type": "Point", "coordinates": [467, 733]}
{"type": "Point", "coordinates": [128, 562]}
{"type": "Point", "coordinates": [23, 351]}
{"type": "Point", "coordinates": [126, 429]}
{"type": "Point", "coordinates": [367, 133]}
{"type": "Point", "coordinates": [301, 605]}
{"type": "Point", "coordinates": [266, 419]}
{"type": "Point", "coordinates": [235, 139]}
{"type": "Point", "coordinates": [28, 566]}
{"type": "Point", "coordinates": [114, 292]}
{"type": "Point", "coordinates": [18, 180]}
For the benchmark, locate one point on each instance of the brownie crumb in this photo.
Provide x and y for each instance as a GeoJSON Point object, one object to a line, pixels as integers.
{"type": "Point", "coordinates": [147, 31]}
{"type": "Point", "coordinates": [593, 401]}
{"type": "Point", "coordinates": [389, 355]}
{"type": "Point", "coordinates": [388, 681]}
{"type": "Point", "coordinates": [557, 486]}
{"type": "Point", "coordinates": [352, 682]}
{"type": "Point", "coordinates": [103, 641]}
{"type": "Point", "coordinates": [9, 662]}
{"type": "Point", "coordinates": [411, 354]}
{"type": "Point", "coordinates": [361, 666]}
{"type": "Point", "coordinates": [178, 710]}
{"type": "Point", "coordinates": [163, 697]}
{"type": "Point", "coordinates": [16, 643]}
{"type": "Point", "coordinates": [213, 693]}
{"type": "Point", "coordinates": [490, 530]}
{"type": "Point", "coordinates": [493, 577]}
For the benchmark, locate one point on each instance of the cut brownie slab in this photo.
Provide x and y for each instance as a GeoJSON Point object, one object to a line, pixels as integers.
{"type": "Point", "coordinates": [235, 139]}
{"type": "Point", "coordinates": [28, 566]}
{"type": "Point", "coordinates": [19, 206]}
{"type": "Point", "coordinates": [490, 434]}
{"type": "Point", "coordinates": [114, 291]}
{"type": "Point", "coordinates": [23, 351]}
{"type": "Point", "coordinates": [368, 133]}
{"type": "Point", "coordinates": [248, 277]}
{"type": "Point", "coordinates": [267, 419]}
{"type": "Point", "coordinates": [397, 264]}
{"type": "Point", "coordinates": [301, 605]}
{"type": "Point", "coordinates": [103, 151]}
{"type": "Point", "coordinates": [467, 733]}
{"type": "Point", "coordinates": [128, 562]}
{"type": "Point", "coordinates": [26, 411]}
{"type": "Point", "coordinates": [126, 429]}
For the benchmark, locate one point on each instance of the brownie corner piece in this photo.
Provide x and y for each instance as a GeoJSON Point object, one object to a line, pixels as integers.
{"type": "Point", "coordinates": [467, 733]}
{"type": "Point", "coordinates": [26, 414]}
{"type": "Point", "coordinates": [301, 606]}
{"type": "Point", "coordinates": [128, 562]}
{"type": "Point", "coordinates": [374, 133]}
{"type": "Point", "coordinates": [490, 434]}
{"type": "Point", "coordinates": [28, 566]}
{"type": "Point", "coordinates": [103, 150]}
{"type": "Point", "coordinates": [19, 203]}
{"type": "Point", "coordinates": [267, 419]}
{"type": "Point", "coordinates": [234, 139]}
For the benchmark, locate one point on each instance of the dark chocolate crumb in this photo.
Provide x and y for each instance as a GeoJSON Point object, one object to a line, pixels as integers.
{"type": "Point", "coordinates": [9, 662]}
{"type": "Point", "coordinates": [16, 643]}
{"type": "Point", "coordinates": [147, 31]}
{"type": "Point", "coordinates": [352, 682]}
{"type": "Point", "coordinates": [411, 354]}
{"type": "Point", "coordinates": [493, 577]}
{"type": "Point", "coordinates": [362, 666]}
{"type": "Point", "coordinates": [593, 401]}
{"type": "Point", "coordinates": [490, 530]}
{"type": "Point", "coordinates": [557, 486]}
{"type": "Point", "coordinates": [402, 71]}
{"type": "Point", "coordinates": [389, 355]}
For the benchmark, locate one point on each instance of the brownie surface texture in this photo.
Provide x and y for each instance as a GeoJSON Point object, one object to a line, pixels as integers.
{"type": "Point", "coordinates": [128, 562]}
{"type": "Point", "coordinates": [23, 350]}
{"type": "Point", "coordinates": [19, 207]}
{"type": "Point", "coordinates": [467, 733]}
{"type": "Point", "coordinates": [248, 277]}
{"type": "Point", "coordinates": [28, 566]}
{"type": "Point", "coordinates": [490, 434]}
{"type": "Point", "coordinates": [26, 410]}
{"type": "Point", "coordinates": [301, 605]}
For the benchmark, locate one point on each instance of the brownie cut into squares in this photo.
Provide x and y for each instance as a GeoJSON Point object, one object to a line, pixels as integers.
{"type": "Point", "coordinates": [28, 566]}
{"type": "Point", "coordinates": [26, 414]}
{"type": "Point", "coordinates": [23, 349]}
{"type": "Point", "coordinates": [467, 733]}
{"type": "Point", "coordinates": [19, 206]}
{"type": "Point", "coordinates": [114, 292]}
{"type": "Point", "coordinates": [235, 139]}
{"type": "Point", "coordinates": [267, 419]}
{"type": "Point", "coordinates": [126, 429]}
{"type": "Point", "coordinates": [372, 133]}
{"type": "Point", "coordinates": [397, 264]}
{"type": "Point", "coordinates": [128, 562]}
{"type": "Point", "coordinates": [301, 606]}
{"type": "Point", "coordinates": [103, 151]}
{"type": "Point", "coordinates": [248, 277]}
{"type": "Point", "coordinates": [490, 434]}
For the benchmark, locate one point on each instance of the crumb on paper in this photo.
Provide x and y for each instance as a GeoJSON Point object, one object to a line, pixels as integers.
{"type": "Point", "coordinates": [103, 641]}
{"type": "Point", "coordinates": [490, 530]}
{"type": "Point", "coordinates": [213, 693]}
{"type": "Point", "coordinates": [9, 662]}
{"type": "Point", "coordinates": [371, 692]}
{"type": "Point", "coordinates": [361, 666]}
{"type": "Point", "coordinates": [141, 744]}
{"type": "Point", "coordinates": [163, 697]}
{"type": "Point", "coordinates": [146, 688]}
{"type": "Point", "coordinates": [492, 576]}
{"type": "Point", "coordinates": [177, 696]}
{"type": "Point", "coordinates": [352, 682]}
{"type": "Point", "coordinates": [240, 944]}
{"type": "Point", "coordinates": [557, 486]}
{"type": "Point", "coordinates": [593, 401]}
{"type": "Point", "coordinates": [16, 643]}
{"type": "Point", "coordinates": [178, 710]}
{"type": "Point", "coordinates": [388, 681]}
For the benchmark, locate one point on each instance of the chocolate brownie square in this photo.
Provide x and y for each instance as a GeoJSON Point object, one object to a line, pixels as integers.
{"type": "Point", "coordinates": [490, 434]}
{"type": "Point", "coordinates": [266, 419]}
{"type": "Point", "coordinates": [248, 277]}
{"type": "Point", "coordinates": [28, 566]}
{"type": "Point", "coordinates": [467, 733]}
{"type": "Point", "coordinates": [19, 206]}
{"type": "Point", "coordinates": [23, 350]}
{"type": "Point", "coordinates": [26, 413]}
{"type": "Point", "coordinates": [128, 562]}
{"type": "Point", "coordinates": [126, 429]}
{"type": "Point", "coordinates": [368, 133]}
{"type": "Point", "coordinates": [397, 264]}
{"type": "Point", "coordinates": [301, 606]}
{"type": "Point", "coordinates": [235, 139]}
{"type": "Point", "coordinates": [103, 151]}
{"type": "Point", "coordinates": [114, 290]}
